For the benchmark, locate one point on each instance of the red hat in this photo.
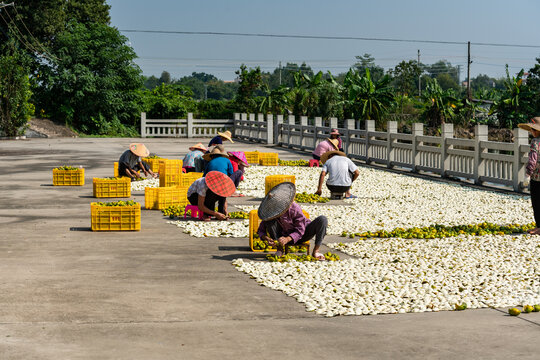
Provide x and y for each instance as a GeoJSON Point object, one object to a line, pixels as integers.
{"type": "Point", "coordinates": [240, 156]}
{"type": "Point", "coordinates": [334, 132]}
{"type": "Point", "coordinates": [219, 183]}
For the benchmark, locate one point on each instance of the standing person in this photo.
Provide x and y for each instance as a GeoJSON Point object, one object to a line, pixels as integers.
{"type": "Point", "coordinates": [324, 146]}
{"type": "Point", "coordinates": [193, 160]}
{"type": "Point", "coordinates": [205, 192]}
{"type": "Point", "coordinates": [334, 134]}
{"type": "Point", "coordinates": [130, 162]}
{"type": "Point", "coordinates": [218, 140]}
{"type": "Point", "coordinates": [218, 160]}
{"type": "Point", "coordinates": [533, 170]}
{"type": "Point", "coordinates": [342, 172]}
{"type": "Point", "coordinates": [283, 221]}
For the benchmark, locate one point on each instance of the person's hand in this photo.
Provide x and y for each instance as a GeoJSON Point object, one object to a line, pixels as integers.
{"type": "Point", "coordinates": [284, 240]}
{"type": "Point", "coordinates": [318, 192]}
{"type": "Point", "coordinates": [220, 216]}
{"type": "Point", "coordinates": [269, 240]}
{"type": "Point", "coordinates": [526, 181]}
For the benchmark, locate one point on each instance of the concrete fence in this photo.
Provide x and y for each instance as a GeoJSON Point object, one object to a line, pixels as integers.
{"type": "Point", "coordinates": [188, 127]}
{"type": "Point", "coordinates": [482, 161]}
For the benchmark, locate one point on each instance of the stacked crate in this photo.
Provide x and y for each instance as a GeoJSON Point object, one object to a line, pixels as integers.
{"type": "Point", "coordinates": [169, 172]}
{"type": "Point", "coordinates": [115, 218]}
{"type": "Point", "coordinates": [272, 180]}
{"type": "Point", "coordinates": [163, 197]}
{"type": "Point", "coordinates": [113, 188]}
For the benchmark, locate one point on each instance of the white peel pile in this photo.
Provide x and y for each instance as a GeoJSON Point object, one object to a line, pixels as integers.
{"type": "Point", "coordinates": [409, 275]}
{"type": "Point", "coordinates": [385, 201]}
{"type": "Point", "coordinates": [140, 185]}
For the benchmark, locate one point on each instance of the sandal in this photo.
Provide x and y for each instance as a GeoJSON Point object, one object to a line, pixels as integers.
{"type": "Point", "coordinates": [319, 256]}
{"type": "Point", "coordinates": [351, 197]}
{"type": "Point", "coordinates": [237, 194]}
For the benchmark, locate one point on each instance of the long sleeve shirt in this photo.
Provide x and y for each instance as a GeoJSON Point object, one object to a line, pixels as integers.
{"type": "Point", "coordinates": [293, 223]}
{"type": "Point", "coordinates": [533, 168]}
{"type": "Point", "coordinates": [323, 147]}
{"type": "Point", "coordinates": [129, 159]}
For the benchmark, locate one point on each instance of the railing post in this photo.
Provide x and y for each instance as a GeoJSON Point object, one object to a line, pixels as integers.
{"type": "Point", "coordinates": [251, 126]}
{"type": "Point", "coordinates": [236, 124]}
{"type": "Point", "coordinates": [392, 128]}
{"type": "Point", "coordinates": [190, 125]}
{"type": "Point", "coordinates": [417, 130]}
{"type": "Point", "coordinates": [260, 122]}
{"type": "Point", "coordinates": [143, 124]}
{"type": "Point", "coordinates": [243, 117]}
{"type": "Point", "coordinates": [333, 123]}
{"type": "Point", "coordinates": [370, 126]}
{"type": "Point", "coordinates": [303, 123]}
{"type": "Point", "coordinates": [447, 132]}
{"type": "Point", "coordinates": [480, 134]}
{"type": "Point", "coordinates": [521, 137]}
{"type": "Point", "coordinates": [278, 129]}
{"type": "Point", "coordinates": [349, 125]}
{"type": "Point", "coordinates": [270, 129]}
{"type": "Point", "coordinates": [318, 126]}
{"type": "Point", "coordinates": [290, 121]}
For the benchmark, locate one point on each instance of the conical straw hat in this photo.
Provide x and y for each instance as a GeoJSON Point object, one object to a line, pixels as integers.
{"type": "Point", "coordinates": [277, 201]}
{"type": "Point", "coordinates": [139, 149]}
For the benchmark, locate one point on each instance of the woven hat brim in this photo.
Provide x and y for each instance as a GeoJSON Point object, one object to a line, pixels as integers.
{"type": "Point", "coordinates": [334, 143]}
{"type": "Point", "coordinates": [139, 150]}
{"type": "Point", "coordinates": [197, 147]}
{"type": "Point", "coordinates": [327, 154]}
{"type": "Point", "coordinates": [220, 184]}
{"type": "Point", "coordinates": [269, 211]}
{"type": "Point", "coordinates": [226, 137]}
{"type": "Point", "coordinates": [243, 161]}
{"type": "Point", "coordinates": [529, 126]}
{"type": "Point", "coordinates": [208, 156]}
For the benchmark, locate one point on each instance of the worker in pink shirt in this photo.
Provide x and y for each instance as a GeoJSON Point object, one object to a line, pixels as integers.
{"type": "Point", "coordinates": [324, 146]}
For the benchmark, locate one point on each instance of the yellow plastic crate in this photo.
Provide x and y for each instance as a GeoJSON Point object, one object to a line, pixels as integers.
{"type": "Point", "coordinates": [252, 157]}
{"type": "Point", "coordinates": [169, 172]}
{"type": "Point", "coordinates": [154, 163]}
{"type": "Point", "coordinates": [109, 188]}
{"type": "Point", "coordinates": [115, 218]}
{"type": "Point", "coordinates": [187, 179]}
{"type": "Point", "coordinates": [163, 197]}
{"type": "Point", "coordinates": [268, 159]}
{"type": "Point", "coordinates": [272, 180]}
{"type": "Point", "coordinates": [68, 177]}
{"type": "Point", "coordinates": [116, 169]}
{"type": "Point", "coordinates": [254, 223]}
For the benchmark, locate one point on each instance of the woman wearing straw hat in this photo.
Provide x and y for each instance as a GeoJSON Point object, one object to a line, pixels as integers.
{"type": "Point", "coordinates": [218, 140]}
{"type": "Point", "coordinates": [283, 221]}
{"type": "Point", "coordinates": [533, 170]}
{"type": "Point", "coordinates": [205, 192]}
{"type": "Point", "coordinates": [334, 134]}
{"type": "Point", "coordinates": [324, 146]}
{"type": "Point", "coordinates": [130, 162]}
{"type": "Point", "coordinates": [218, 160]}
{"type": "Point", "coordinates": [193, 160]}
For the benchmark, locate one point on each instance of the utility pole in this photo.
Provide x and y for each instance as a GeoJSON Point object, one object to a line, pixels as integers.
{"type": "Point", "coordinates": [469, 96]}
{"type": "Point", "coordinates": [280, 73]}
{"type": "Point", "coordinates": [419, 76]}
{"type": "Point", "coordinates": [205, 92]}
{"type": "Point", "coordinates": [459, 75]}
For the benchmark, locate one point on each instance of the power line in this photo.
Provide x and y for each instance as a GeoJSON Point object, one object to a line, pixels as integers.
{"type": "Point", "coordinates": [46, 51]}
{"type": "Point", "coordinates": [320, 37]}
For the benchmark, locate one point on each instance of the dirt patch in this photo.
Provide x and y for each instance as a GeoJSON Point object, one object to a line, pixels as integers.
{"type": "Point", "coordinates": [49, 129]}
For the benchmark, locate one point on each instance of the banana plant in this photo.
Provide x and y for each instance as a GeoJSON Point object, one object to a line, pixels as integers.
{"type": "Point", "coordinates": [440, 105]}
{"type": "Point", "coordinates": [514, 105]}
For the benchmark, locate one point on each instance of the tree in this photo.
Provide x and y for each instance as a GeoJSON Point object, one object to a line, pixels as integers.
{"type": "Point", "coordinates": [150, 82]}
{"type": "Point", "coordinates": [165, 78]}
{"type": "Point", "coordinates": [516, 103]}
{"type": "Point", "coordinates": [367, 99]}
{"type": "Point", "coordinates": [367, 61]}
{"type": "Point", "coordinates": [95, 87]}
{"type": "Point", "coordinates": [168, 101]}
{"type": "Point", "coordinates": [250, 82]}
{"type": "Point", "coordinates": [15, 106]}
{"type": "Point", "coordinates": [405, 76]}
{"type": "Point", "coordinates": [440, 104]}
{"type": "Point", "coordinates": [451, 77]}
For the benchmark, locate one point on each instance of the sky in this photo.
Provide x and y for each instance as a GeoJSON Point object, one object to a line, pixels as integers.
{"type": "Point", "coordinates": [478, 21]}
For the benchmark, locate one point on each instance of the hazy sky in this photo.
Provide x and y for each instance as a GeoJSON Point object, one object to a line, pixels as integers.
{"type": "Point", "coordinates": [478, 21]}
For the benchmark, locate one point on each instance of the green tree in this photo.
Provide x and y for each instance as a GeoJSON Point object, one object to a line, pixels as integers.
{"type": "Point", "coordinates": [165, 78]}
{"type": "Point", "coordinates": [168, 101]}
{"type": "Point", "coordinates": [447, 81]}
{"type": "Point", "coordinates": [440, 104]}
{"type": "Point", "coordinates": [367, 99]}
{"type": "Point", "coordinates": [15, 106]}
{"type": "Point", "coordinates": [516, 104]}
{"type": "Point", "coordinates": [150, 82]}
{"type": "Point", "coordinates": [367, 61]}
{"type": "Point", "coordinates": [275, 101]}
{"type": "Point", "coordinates": [250, 82]}
{"type": "Point", "coordinates": [95, 86]}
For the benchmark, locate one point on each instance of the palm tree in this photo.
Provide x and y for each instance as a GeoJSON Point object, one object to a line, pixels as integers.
{"type": "Point", "coordinates": [367, 99]}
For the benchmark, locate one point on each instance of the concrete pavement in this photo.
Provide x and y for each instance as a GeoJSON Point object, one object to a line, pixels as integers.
{"type": "Point", "coordinates": [69, 293]}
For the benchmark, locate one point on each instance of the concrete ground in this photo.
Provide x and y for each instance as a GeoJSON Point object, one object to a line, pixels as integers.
{"type": "Point", "coordinates": [69, 293]}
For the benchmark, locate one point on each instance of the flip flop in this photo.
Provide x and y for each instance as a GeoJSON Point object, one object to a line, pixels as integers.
{"type": "Point", "coordinates": [237, 195]}
{"type": "Point", "coordinates": [351, 197]}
